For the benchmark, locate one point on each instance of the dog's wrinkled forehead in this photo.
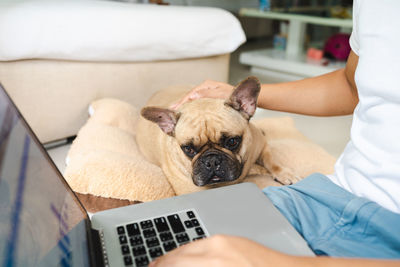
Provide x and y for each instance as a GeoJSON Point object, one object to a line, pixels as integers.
{"type": "Point", "coordinates": [207, 117]}
{"type": "Point", "coordinates": [206, 120]}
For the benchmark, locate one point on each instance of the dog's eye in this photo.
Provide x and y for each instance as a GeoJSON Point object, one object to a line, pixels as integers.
{"type": "Point", "coordinates": [232, 143]}
{"type": "Point", "coordinates": [189, 150]}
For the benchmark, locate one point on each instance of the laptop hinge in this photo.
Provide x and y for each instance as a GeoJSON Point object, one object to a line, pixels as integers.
{"type": "Point", "coordinates": [99, 249]}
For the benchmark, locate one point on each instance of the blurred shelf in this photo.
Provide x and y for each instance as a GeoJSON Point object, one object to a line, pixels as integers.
{"type": "Point", "coordinates": [292, 63]}
{"type": "Point", "coordinates": [278, 65]}
{"type": "Point", "coordinates": [252, 12]}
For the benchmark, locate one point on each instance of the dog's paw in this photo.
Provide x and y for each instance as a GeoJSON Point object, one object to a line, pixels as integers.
{"type": "Point", "coordinates": [285, 176]}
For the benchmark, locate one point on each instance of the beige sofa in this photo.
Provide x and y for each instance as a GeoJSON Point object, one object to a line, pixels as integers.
{"type": "Point", "coordinates": [56, 57]}
{"type": "Point", "coordinates": [54, 95]}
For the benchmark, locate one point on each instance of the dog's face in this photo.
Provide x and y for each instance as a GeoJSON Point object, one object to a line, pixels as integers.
{"type": "Point", "coordinates": [213, 134]}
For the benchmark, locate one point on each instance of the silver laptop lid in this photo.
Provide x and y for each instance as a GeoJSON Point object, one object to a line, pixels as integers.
{"type": "Point", "coordinates": [42, 222]}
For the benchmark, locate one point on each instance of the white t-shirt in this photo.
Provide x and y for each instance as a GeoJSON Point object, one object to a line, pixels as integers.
{"type": "Point", "coordinates": [370, 164]}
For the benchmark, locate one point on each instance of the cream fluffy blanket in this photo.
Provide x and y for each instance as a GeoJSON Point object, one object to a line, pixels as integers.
{"type": "Point", "coordinates": [104, 159]}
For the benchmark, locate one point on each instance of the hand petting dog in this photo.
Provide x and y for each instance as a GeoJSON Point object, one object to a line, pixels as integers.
{"type": "Point", "coordinates": [207, 89]}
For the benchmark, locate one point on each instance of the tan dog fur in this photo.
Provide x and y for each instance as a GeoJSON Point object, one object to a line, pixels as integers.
{"type": "Point", "coordinates": [202, 121]}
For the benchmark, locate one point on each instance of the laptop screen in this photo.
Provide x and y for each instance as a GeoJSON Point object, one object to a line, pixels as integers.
{"type": "Point", "coordinates": [41, 221]}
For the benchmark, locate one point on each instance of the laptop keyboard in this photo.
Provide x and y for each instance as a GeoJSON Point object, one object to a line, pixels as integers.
{"type": "Point", "coordinates": [144, 241]}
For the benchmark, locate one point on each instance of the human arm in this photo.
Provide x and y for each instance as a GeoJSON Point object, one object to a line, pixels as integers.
{"type": "Point", "coordinates": [331, 94]}
{"type": "Point", "coordinates": [230, 251]}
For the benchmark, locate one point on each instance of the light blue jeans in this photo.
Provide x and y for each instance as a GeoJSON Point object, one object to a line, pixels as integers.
{"type": "Point", "coordinates": [335, 222]}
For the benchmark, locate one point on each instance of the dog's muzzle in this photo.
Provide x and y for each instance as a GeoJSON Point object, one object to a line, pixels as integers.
{"type": "Point", "coordinates": [214, 166]}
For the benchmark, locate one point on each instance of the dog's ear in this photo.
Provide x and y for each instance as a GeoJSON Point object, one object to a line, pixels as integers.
{"type": "Point", "coordinates": [244, 97]}
{"type": "Point", "coordinates": [165, 118]}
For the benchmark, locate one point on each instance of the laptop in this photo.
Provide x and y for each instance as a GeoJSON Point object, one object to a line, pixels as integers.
{"type": "Point", "coordinates": [42, 222]}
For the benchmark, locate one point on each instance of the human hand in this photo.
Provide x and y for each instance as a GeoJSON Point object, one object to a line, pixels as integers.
{"type": "Point", "coordinates": [222, 250]}
{"type": "Point", "coordinates": [230, 251]}
{"type": "Point", "coordinates": [208, 88]}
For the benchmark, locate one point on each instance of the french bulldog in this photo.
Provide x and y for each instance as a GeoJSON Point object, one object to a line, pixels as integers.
{"type": "Point", "coordinates": [206, 142]}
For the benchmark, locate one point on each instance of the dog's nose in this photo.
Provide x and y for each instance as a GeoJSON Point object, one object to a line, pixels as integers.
{"type": "Point", "coordinates": [212, 162]}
